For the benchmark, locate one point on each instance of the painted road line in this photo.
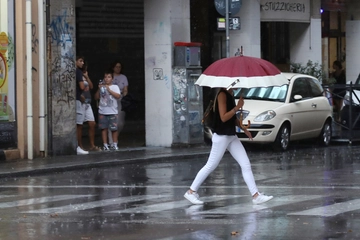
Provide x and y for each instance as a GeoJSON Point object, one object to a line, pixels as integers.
{"type": "Point", "coordinates": [95, 204]}
{"type": "Point", "coordinates": [32, 201]}
{"type": "Point", "coordinates": [331, 210]}
{"type": "Point", "coordinates": [249, 207]}
{"type": "Point", "coordinates": [179, 187]}
{"type": "Point", "coordinates": [8, 196]}
{"type": "Point", "coordinates": [173, 205]}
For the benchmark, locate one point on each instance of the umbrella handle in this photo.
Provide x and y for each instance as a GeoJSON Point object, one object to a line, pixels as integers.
{"type": "Point", "coordinates": [233, 84]}
{"type": "Point", "coordinates": [241, 120]}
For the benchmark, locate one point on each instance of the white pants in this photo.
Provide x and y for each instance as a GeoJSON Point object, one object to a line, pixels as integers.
{"type": "Point", "coordinates": [219, 144]}
{"type": "Point", "coordinates": [121, 123]}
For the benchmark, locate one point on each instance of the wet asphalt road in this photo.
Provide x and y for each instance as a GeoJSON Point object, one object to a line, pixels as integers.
{"type": "Point", "coordinates": [316, 196]}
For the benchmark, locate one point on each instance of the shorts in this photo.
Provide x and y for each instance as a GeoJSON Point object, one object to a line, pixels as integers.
{"type": "Point", "coordinates": [84, 113]}
{"type": "Point", "coordinates": [108, 121]}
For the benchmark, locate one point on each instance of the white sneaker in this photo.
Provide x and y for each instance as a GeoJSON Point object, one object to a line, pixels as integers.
{"type": "Point", "coordinates": [261, 198]}
{"type": "Point", "coordinates": [193, 198]}
{"type": "Point", "coordinates": [114, 147]}
{"type": "Point", "coordinates": [80, 151]}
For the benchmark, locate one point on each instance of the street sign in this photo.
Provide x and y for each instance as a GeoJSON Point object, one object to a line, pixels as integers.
{"type": "Point", "coordinates": [234, 6]}
{"type": "Point", "coordinates": [234, 23]}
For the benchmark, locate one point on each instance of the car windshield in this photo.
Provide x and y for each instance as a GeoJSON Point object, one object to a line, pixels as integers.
{"type": "Point", "coordinates": [273, 93]}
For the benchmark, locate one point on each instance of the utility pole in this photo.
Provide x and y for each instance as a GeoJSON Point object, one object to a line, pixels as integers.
{"type": "Point", "coordinates": [227, 28]}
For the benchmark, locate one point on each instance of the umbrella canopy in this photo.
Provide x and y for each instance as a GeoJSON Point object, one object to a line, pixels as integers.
{"type": "Point", "coordinates": [249, 71]}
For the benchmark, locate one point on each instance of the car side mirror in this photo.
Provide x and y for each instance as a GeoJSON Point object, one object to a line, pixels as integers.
{"type": "Point", "coordinates": [297, 97]}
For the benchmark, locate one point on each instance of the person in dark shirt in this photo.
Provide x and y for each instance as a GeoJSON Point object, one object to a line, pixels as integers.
{"type": "Point", "coordinates": [87, 112]}
{"type": "Point", "coordinates": [224, 137]}
{"type": "Point", "coordinates": [80, 86]}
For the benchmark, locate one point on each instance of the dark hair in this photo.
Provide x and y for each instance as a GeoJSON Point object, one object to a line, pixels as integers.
{"type": "Point", "coordinates": [80, 57]}
{"type": "Point", "coordinates": [113, 64]}
{"type": "Point", "coordinates": [109, 72]}
{"type": "Point", "coordinates": [338, 63]}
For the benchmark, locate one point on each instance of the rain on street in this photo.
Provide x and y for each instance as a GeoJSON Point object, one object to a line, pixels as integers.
{"type": "Point", "coordinates": [315, 197]}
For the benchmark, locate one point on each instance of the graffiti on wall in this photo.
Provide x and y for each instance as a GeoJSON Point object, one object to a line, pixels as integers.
{"type": "Point", "coordinates": [180, 104]}
{"type": "Point", "coordinates": [63, 73]}
{"type": "Point", "coordinates": [61, 30]}
{"type": "Point", "coordinates": [34, 39]}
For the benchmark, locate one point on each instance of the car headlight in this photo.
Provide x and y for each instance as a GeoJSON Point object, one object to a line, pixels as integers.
{"type": "Point", "coordinates": [265, 116]}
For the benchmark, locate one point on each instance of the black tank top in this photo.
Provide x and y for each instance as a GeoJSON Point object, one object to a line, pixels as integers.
{"type": "Point", "coordinates": [228, 127]}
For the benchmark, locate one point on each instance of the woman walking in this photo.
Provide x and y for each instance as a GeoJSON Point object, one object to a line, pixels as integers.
{"type": "Point", "coordinates": [224, 137]}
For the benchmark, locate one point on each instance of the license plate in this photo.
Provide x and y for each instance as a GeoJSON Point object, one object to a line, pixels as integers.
{"type": "Point", "coordinates": [238, 130]}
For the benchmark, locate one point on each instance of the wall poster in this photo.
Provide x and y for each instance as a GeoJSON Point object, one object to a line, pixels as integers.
{"type": "Point", "coordinates": [7, 80]}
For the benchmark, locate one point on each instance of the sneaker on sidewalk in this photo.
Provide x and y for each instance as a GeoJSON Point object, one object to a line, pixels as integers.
{"type": "Point", "coordinates": [193, 198]}
{"type": "Point", "coordinates": [80, 151]}
{"type": "Point", "coordinates": [261, 198]}
{"type": "Point", "coordinates": [114, 147]}
{"type": "Point", "coordinates": [106, 148]}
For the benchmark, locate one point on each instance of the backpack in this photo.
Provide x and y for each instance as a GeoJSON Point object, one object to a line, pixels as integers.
{"type": "Point", "coordinates": [128, 103]}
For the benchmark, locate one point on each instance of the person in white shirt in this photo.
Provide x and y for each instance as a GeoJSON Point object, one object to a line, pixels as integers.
{"type": "Point", "coordinates": [122, 82]}
{"type": "Point", "coordinates": [108, 94]}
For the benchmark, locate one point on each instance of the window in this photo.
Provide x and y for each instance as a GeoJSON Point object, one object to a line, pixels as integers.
{"type": "Point", "coordinates": [316, 89]}
{"type": "Point", "coordinates": [300, 87]}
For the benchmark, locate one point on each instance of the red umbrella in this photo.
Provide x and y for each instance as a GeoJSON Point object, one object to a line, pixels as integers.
{"type": "Point", "coordinates": [250, 71]}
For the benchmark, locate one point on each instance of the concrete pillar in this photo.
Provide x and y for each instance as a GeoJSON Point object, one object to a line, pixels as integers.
{"type": "Point", "coordinates": [20, 78]}
{"type": "Point", "coordinates": [166, 22]}
{"type": "Point", "coordinates": [62, 82]}
{"type": "Point", "coordinates": [305, 38]}
{"type": "Point", "coordinates": [352, 40]}
{"type": "Point", "coordinates": [249, 34]}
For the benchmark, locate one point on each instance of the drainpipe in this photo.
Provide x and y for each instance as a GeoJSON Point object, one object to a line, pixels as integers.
{"type": "Point", "coordinates": [49, 79]}
{"type": "Point", "coordinates": [41, 78]}
{"type": "Point", "coordinates": [29, 80]}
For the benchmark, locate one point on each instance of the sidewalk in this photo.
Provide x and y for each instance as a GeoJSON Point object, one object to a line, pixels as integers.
{"type": "Point", "coordinates": [99, 159]}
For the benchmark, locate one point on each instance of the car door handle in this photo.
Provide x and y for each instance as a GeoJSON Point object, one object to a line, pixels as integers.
{"type": "Point", "coordinates": [314, 105]}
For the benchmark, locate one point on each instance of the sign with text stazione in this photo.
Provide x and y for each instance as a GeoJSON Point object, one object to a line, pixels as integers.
{"type": "Point", "coordinates": [285, 11]}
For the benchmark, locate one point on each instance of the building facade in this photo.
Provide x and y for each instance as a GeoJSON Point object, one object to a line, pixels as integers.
{"type": "Point", "coordinates": [38, 50]}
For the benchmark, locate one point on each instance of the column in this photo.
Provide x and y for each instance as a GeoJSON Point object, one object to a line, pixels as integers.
{"type": "Point", "coordinates": [62, 82]}
{"type": "Point", "coordinates": [166, 22]}
{"type": "Point", "coordinates": [352, 40]}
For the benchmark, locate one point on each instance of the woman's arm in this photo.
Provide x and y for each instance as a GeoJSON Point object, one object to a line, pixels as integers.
{"type": "Point", "coordinates": [224, 115]}
{"type": "Point", "coordinates": [124, 91]}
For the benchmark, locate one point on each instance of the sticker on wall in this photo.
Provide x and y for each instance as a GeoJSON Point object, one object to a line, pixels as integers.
{"type": "Point", "coordinates": [158, 74]}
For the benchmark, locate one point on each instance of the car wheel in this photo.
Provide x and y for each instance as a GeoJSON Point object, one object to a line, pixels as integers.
{"type": "Point", "coordinates": [283, 138]}
{"type": "Point", "coordinates": [325, 135]}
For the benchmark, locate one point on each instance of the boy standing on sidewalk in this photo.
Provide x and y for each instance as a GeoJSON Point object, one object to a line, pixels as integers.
{"type": "Point", "coordinates": [108, 109]}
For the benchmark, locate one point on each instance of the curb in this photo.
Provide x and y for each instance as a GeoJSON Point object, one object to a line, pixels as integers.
{"type": "Point", "coordinates": [71, 167]}
{"type": "Point", "coordinates": [11, 154]}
